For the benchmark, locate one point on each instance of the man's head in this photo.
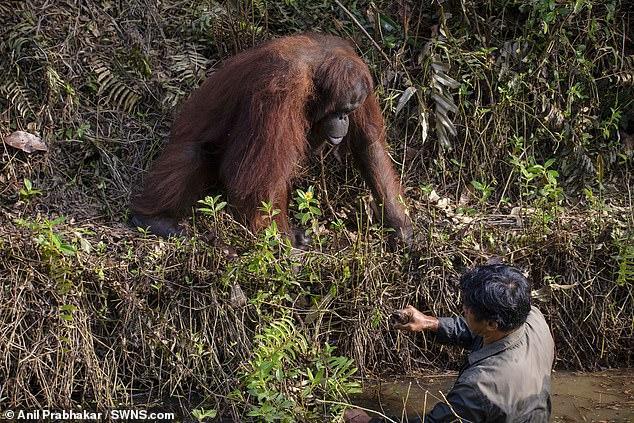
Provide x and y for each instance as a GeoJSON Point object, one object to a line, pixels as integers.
{"type": "Point", "coordinates": [496, 297]}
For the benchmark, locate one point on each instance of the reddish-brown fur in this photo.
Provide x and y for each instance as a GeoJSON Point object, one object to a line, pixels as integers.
{"type": "Point", "coordinates": [246, 128]}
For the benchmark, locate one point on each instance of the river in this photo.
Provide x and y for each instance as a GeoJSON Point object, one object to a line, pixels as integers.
{"type": "Point", "coordinates": [606, 396]}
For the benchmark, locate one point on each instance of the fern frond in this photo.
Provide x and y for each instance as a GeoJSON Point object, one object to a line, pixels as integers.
{"type": "Point", "coordinates": [55, 82]}
{"type": "Point", "coordinates": [115, 91]}
{"type": "Point", "coordinates": [18, 37]}
{"type": "Point", "coordinates": [19, 98]}
{"type": "Point", "coordinates": [190, 68]}
{"type": "Point", "coordinates": [441, 83]}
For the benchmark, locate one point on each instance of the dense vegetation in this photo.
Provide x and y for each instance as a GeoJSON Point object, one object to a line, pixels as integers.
{"type": "Point", "coordinates": [510, 123]}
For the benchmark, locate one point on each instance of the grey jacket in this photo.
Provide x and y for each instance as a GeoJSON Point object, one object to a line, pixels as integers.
{"type": "Point", "coordinates": [505, 381]}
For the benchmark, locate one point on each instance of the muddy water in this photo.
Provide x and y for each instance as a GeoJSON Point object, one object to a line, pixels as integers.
{"type": "Point", "coordinates": [577, 397]}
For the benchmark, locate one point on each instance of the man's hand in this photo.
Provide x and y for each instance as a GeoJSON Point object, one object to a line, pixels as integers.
{"type": "Point", "coordinates": [354, 415]}
{"type": "Point", "coordinates": [412, 320]}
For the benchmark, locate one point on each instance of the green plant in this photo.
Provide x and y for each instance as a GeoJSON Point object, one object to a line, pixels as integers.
{"type": "Point", "coordinates": [610, 125]}
{"type": "Point", "coordinates": [308, 211]}
{"type": "Point", "coordinates": [51, 243]}
{"type": "Point", "coordinates": [28, 192]}
{"type": "Point", "coordinates": [625, 273]}
{"type": "Point", "coordinates": [201, 414]}
{"type": "Point", "coordinates": [267, 207]}
{"type": "Point", "coordinates": [290, 379]}
{"type": "Point", "coordinates": [213, 206]}
{"type": "Point", "coordinates": [56, 251]}
{"type": "Point", "coordinates": [625, 257]}
{"type": "Point", "coordinates": [272, 239]}
{"type": "Point", "coordinates": [484, 189]}
{"type": "Point", "coordinates": [596, 202]}
{"type": "Point", "coordinates": [66, 312]}
{"type": "Point", "coordinates": [270, 260]}
{"type": "Point", "coordinates": [72, 133]}
{"type": "Point", "coordinates": [539, 184]}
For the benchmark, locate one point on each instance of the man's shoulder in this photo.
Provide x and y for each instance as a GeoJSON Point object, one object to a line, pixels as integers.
{"type": "Point", "coordinates": [539, 337]}
{"type": "Point", "coordinates": [535, 313]}
{"type": "Point", "coordinates": [536, 322]}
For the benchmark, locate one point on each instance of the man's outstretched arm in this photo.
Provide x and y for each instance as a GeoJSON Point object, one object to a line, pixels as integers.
{"type": "Point", "coordinates": [448, 330]}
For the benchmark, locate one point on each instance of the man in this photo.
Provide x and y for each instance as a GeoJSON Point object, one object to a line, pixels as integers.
{"type": "Point", "coordinates": [506, 377]}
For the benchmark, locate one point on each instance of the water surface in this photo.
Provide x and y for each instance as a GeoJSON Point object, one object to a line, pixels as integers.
{"type": "Point", "coordinates": [606, 396]}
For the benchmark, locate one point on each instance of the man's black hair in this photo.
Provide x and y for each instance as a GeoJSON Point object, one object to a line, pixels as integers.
{"type": "Point", "coordinates": [499, 293]}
